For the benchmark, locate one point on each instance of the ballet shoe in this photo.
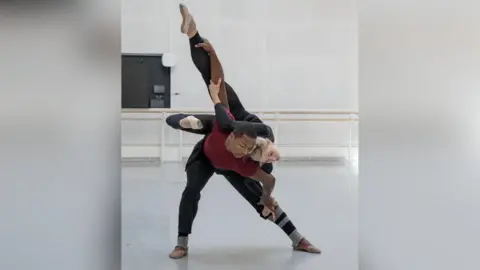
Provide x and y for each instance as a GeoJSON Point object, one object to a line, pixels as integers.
{"type": "Point", "coordinates": [306, 246]}
{"type": "Point", "coordinates": [191, 122]}
{"type": "Point", "coordinates": [186, 19]}
{"type": "Point", "coordinates": [178, 252]}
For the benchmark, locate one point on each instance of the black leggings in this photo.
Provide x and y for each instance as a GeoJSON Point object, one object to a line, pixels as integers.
{"type": "Point", "coordinates": [206, 119]}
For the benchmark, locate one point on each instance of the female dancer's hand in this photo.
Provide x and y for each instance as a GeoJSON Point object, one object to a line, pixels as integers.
{"type": "Point", "coordinates": [215, 88]}
{"type": "Point", "coordinates": [206, 45]}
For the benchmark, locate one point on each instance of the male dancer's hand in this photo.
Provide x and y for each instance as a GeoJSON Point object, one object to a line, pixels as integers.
{"type": "Point", "coordinates": [269, 202]}
{"type": "Point", "coordinates": [214, 88]}
{"type": "Point", "coordinates": [269, 206]}
{"type": "Point", "coordinates": [206, 45]}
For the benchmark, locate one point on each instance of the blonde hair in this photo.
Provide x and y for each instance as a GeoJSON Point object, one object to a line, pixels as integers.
{"type": "Point", "coordinates": [257, 152]}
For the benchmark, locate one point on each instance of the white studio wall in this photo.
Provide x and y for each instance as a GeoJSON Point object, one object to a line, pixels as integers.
{"type": "Point", "coordinates": [277, 54]}
{"type": "Point", "coordinates": [420, 66]}
{"type": "Point", "coordinates": [145, 26]}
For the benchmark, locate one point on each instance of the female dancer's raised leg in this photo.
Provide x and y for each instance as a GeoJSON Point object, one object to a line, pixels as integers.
{"type": "Point", "coordinates": [201, 60]}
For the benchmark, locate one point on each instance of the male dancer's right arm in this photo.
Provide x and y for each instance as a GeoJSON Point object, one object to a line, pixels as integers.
{"type": "Point", "coordinates": [217, 74]}
{"type": "Point", "coordinates": [216, 71]}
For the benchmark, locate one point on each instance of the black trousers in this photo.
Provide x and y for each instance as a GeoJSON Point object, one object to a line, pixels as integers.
{"type": "Point", "coordinates": [198, 168]}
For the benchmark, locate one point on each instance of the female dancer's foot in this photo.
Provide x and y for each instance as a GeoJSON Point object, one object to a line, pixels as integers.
{"type": "Point", "coordinates": [191, 122]}
{"type": "Point", "coordinates": [188, 26]}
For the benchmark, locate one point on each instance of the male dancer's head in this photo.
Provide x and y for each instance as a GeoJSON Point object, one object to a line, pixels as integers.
{"type": "Point", "coordinates": [241, 141]}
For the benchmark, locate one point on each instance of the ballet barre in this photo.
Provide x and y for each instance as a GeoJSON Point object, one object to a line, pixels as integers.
{"type": "Point", "coordinates": [263, 119]}
{"type": "Point", "coordinates": [200, 111]}
{"type": "Point", "coordinates": [350, 117]}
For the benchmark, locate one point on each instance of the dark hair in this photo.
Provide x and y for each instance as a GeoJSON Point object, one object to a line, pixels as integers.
{"type": "Point", "coordinates": [245, 129]}
{"type": "Point", "coordinates": [253, 118]}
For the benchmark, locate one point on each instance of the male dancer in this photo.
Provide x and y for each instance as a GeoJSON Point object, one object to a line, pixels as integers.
{"type": "Point", "coordinates": [199, 169]}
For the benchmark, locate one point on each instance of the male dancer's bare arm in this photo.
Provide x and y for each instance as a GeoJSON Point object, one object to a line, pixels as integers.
{"type": "Point", "coordinates": [216, 71]}
{"type": "Point", "coordinates": [217, 74]}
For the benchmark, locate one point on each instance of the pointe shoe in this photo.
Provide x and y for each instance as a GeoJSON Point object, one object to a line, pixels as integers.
{"type": "Point", "coordinates": [186, 19]}
{"type": "Point", "coordinates": [306, 246]}
{"type": "Point", "coordinates": [178, 252]}
{"type": "Point", "coordinates": [191, 122]}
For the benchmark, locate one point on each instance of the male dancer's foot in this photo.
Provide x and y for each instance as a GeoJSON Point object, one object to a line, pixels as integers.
{"type": "Point", "coordinates": [178, 252]}
{"type": "Point", "coordinates": [181, 250]}
{"type": "Point", "coordinates": [306, 246]}
{"type": "Point", "coordinates": [188, 26]}
{"type": "Point", "coordinates": [280, 218]}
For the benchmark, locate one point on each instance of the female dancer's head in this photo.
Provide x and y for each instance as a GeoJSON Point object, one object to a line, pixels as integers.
{"type": "Point", "coordinates": [265, 151]}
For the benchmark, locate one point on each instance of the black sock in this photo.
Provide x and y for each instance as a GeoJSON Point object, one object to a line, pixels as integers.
{"type": "Point", "coordinates": [287, 226]}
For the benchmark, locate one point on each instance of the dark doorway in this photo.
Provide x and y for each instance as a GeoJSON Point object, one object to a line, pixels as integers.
{"type": "Point", "coordinates": [145, 82]}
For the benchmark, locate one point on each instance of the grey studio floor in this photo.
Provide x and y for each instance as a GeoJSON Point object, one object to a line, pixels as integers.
{"type": "Point", "coordinates": [320, 198]}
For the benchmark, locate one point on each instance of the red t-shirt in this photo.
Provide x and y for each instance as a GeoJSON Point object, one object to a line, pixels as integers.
{"type": "Point", "coordinates": [221, 158]}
